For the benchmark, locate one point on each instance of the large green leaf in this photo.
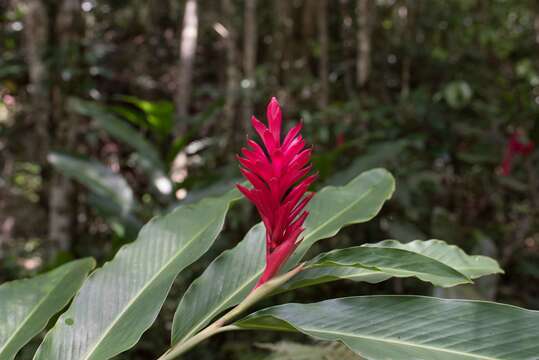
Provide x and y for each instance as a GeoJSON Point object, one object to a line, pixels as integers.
{"type": "Point", "coordinates": [334, 207]}
{"type": "Point", "coordinates": [392, 261]}
{"type": "Point", "coordinates": [221, 284]}
{"type": "Point", "coordinates": [122, 299]}
{"type": "Point", "coordinates": [98, 178]}
{"type": "Point", "coordinates": [411, 327]}
{"type": "Point", "coordinates": [330, 210]}
{"type": "Point", "coordinates": [27, 305]}
{"type": "Point", "coordinates": [472, 266]}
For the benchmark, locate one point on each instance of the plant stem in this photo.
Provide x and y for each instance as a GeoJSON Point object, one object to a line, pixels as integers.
{"type": "Point", "coordinates": [220, 325]}
{"type": "Point", "coordinates": [195, 340]}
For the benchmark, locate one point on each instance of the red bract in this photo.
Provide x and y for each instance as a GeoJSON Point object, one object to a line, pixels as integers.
{"type": "Point", "coordinates": [515, 147]}
{"type": "Point", "coordinates": [278, 172]}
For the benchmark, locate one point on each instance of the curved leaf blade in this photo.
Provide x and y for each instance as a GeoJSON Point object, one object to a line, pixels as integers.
{"type": "Point", "coordinates": [472, 266]}
{"type": "Point", "coordinates": [335, 207]}
{"type": "Point", "coordinates": [121, 300]}
{"type": "Point", "coordinates": [148, 156]}
{"type": "Point", "coordinates": [411, 327]}
{"type": "Point", "coordinates": [26, 306]}
{"type": "Point", "coordinates": [394, 262]}
{"type": "Point", "coordinates": [330, 209]}
{"type": "Point", "coordinates": [98, 178]}
{"type": "Point", "coordinates": [228, 272]}
{"type": "Point", "coordinates": [321, 275]}
{"type": "Point", "coordinates": [118, 128]}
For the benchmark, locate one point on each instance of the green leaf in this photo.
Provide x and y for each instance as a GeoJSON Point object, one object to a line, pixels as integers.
{"type": "Point", "coordinates": [221, 284]}
{"type": "Point", "coordinates": [148, 156]}
{"type": "Point", "coordinates": [111, 196]}
{"type": "Point", "coordinates": [316, 276]}
{"type": "Point", "coordinates": [159, 114]}
{"type": "Point", "coordinates": [98, 178]}
{"type": "Point", "coordinates": [121, 300]}
{"type": "Point", "coordinates": [472, 266]}
{"type": "Point", "coordinates": [26, 306]}
{"type": "Point", "coordinates": [330, 210]}
{"type": "Point", "coordinates": [334, 207]}
{"type": "Point", "coordinates": [411, 327]}
{"type": "Point", "coordinates": [392, 261]}
{"type": "Point", "coordinates": [117, 128]}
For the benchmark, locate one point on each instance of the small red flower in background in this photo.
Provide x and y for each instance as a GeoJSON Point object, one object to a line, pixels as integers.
{"type": "Point", "coordinates": [514, 147]}
{"type": "Point", "coordinates": [340, 139]}
{"type": "Point", "coordinates": [278, 173]}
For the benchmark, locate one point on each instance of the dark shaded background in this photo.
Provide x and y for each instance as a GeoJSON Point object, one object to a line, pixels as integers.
{"type": "Point", "coordinates": [114, 111]}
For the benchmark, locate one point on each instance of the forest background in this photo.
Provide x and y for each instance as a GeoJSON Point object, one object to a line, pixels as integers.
{"type": "Point", "coordinates": [114, 111]}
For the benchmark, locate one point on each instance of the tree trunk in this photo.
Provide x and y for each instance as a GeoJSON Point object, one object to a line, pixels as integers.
{"type": "Point", "coordinates": [308, 28]}
{"type": "Point", "coordinates": [189, 38]}
{"type": "Point", "coordinates": [249, 59]}
{"type": "Point", "coordinates": [536, 23]}
{"type": "Point", "coordinates": [281, 49]}
{"type": "Point", "coordinates": [348, 47]}
{"type": "Point", "coordinates": [407, 13]}
{"type": "Point", "coordinates": [323, 65]}
{"type": "Point", "coordinates": [364, 29]}
{"type": "Point", "coordinates": [68, 30]}
{"type": "Point", "coordinates": [232, 73]}
{"type": "Point", "coordinates": [36, 37]}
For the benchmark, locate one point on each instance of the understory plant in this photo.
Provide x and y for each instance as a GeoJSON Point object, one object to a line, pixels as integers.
{"type": "Point", "coordinates": [115, 304]}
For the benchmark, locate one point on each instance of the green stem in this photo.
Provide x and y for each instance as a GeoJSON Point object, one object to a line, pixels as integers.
{"type": "Point", "coordinates": [220, 325]}
{"type": "Point", "coordinates": [195, 340]}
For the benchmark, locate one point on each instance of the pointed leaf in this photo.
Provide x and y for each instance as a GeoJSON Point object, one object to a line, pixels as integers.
{"type": "Point", "coordinates": [27, 305]}
{"type": "Point", "coordinates": [391, 261]}
{"type": "Point", "coordinates": [472, 266]}
{"type": "Point", "coordinates": [411, 327]}
{"type": "Point", "coordinates": [121, 300]}
{"type": "Point", "coordinates": [330, 210]}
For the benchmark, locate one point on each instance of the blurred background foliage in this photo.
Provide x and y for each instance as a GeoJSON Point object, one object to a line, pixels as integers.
{"type": "Point", "coordinates": [112, 112]}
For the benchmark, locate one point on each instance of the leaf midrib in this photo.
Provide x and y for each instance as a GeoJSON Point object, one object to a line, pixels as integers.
{"type": "Point", "coordinates": [309, 331]}
{"type": "Point", "coordinates": [450, 271]}
{"type": "Point", "coordinates": [463, 279]}
{"type": "Point", "coordinates": [89, 354]}
{"type": "Point", "coordinates": [255, 276]}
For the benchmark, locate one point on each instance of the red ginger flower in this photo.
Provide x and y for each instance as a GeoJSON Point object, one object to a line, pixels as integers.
{"type": "Point", "coordinates": [514, 147]}
{"type": "Point", "coordinates": [278, 173]}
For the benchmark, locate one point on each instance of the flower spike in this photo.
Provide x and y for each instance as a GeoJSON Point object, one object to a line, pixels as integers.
{"type": "Point", "coordinates": [278, 173]}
